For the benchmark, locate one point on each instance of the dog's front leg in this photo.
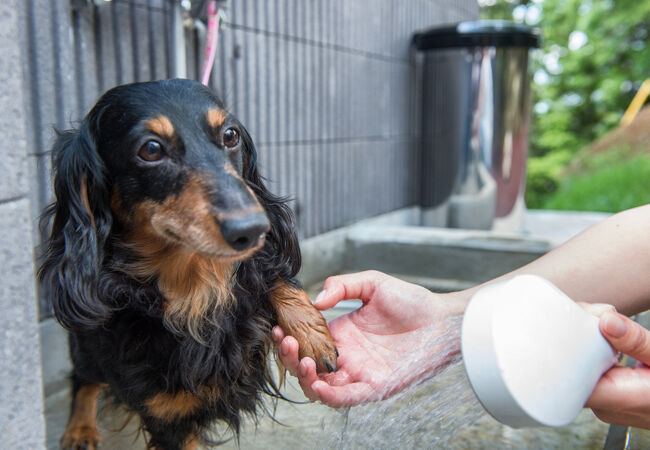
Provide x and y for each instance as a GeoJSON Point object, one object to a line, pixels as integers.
{"type": "Point", "coordinates": [300, 319]}
{"type": "Point", "coordinates": [82, 431]}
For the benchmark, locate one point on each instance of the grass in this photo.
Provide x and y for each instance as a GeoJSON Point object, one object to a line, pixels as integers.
{"type": "Point", "coordinates": [605, 182]}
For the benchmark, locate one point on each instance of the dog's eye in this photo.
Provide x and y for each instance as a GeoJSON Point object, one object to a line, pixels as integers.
{"type": "Point", "coordinates": [151, 151]}
{"type": "Point", "coordinates": [231, 137]}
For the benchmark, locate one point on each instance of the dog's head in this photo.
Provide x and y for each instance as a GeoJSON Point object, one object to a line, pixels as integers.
{"type": "Point", "coordinates": [177, 163]}
{"type": "Point", "coordinates": [168, 169]}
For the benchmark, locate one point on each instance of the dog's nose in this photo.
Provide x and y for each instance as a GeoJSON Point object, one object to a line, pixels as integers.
{"type": "Point", "coordinates": [244, 233]}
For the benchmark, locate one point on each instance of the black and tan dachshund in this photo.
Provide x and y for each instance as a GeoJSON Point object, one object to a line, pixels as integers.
{"type": "Point", "coordinates": [168, 261]}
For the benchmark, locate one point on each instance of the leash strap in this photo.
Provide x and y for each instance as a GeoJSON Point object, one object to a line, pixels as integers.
{"type": "Point", "coordinates": [211, 40]}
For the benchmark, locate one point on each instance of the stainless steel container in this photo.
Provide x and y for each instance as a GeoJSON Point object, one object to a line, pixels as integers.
{"type": "Point", "coordinates": [475, 115]}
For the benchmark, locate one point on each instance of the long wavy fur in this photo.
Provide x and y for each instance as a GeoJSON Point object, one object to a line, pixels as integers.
{"type": "Point", "coordinates": [116, 321]}
{"type": "Point", "coordinates": [74, 252]}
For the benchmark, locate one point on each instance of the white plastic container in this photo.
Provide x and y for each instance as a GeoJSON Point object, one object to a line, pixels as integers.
{"type": "Point", "coordinates": [532, 355]}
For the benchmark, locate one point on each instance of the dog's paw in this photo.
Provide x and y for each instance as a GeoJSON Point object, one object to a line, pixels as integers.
{"type": "Point", "coordinates": [81, 438]}
{"type": "Point", "coordinates": [299, 318]}
{"type": "Point", "coordinates": [314, 339]}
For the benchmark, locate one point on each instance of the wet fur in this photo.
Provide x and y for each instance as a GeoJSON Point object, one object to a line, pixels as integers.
{"type": "Point", "coordinates": [120, 294]}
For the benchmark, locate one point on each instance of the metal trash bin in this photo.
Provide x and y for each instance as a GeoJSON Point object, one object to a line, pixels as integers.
{"type": "Point", "coordinates": [474, 89]}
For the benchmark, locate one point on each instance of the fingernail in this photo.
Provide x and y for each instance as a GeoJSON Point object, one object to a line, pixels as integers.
{"type": "Point", "coordinates": [284, 348]}
{"type": "Point", "coordinates": [614, 325]}
{"type": "Point", "coordinates": [302, 370]}
{"type": "Point", "coordinates": [320, 296]}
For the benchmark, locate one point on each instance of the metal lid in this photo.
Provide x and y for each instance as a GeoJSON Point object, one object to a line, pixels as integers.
{"type": "Point", "coordinates": [481, 33]}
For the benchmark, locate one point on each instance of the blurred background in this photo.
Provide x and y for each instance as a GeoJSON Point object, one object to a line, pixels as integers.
{"type": "Point", "coordinates": [593, 61]}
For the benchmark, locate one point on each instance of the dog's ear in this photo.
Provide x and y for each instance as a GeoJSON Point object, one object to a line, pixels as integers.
{"type": "Point", "coordinates": [80, 224]}
{"type": "Point", "coordinates": [282, 237]}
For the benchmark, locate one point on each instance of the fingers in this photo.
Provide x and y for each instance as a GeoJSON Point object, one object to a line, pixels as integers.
{"type": "Point", "coordinates": [347, 287]}
{"type": "Point", "coordinates": [307, 376]}
{"type": "Point", "coordinates": [596, 309]}
{"type": "Point", "coordinates": [315, 389]}
{"type": "Point", "coordinates": [621, 388]}
{"type": "Point", "coordinates": [605, 394]}
{"type": "Point", "coordinates": [340, 396]}
{"type": "Point", "coordinates": [304, 370]}
{"type": "Point", "coordinates": [626, 336]}
{"type": "Point", "coordinates": [621, 397]}
{"type": "Point", "coordinates": [287, 350]}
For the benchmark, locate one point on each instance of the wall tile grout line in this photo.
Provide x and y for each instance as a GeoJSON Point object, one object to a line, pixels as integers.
{"type": "Point", "coordinates": [344, 140]}
{"type": "Point", "coordinates": [310, 42]}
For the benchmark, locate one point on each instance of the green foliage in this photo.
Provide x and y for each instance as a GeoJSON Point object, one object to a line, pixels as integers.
{"type": "Point", "coordinates": [544, 173]}
{"type": "Point", "coordinates": [594, 57]}
{"type": "Point", "coordinates": [582, 89]}
{"type": "Point", "coordinates": [605, 186]}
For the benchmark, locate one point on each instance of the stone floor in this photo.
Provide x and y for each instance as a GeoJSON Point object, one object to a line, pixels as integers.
{"type": "Point", "coordinates": [439, 413]}
{"type": "Point", "coordinates": [299, 423]}
{"type": "Point", "coordinates": [411, 421]}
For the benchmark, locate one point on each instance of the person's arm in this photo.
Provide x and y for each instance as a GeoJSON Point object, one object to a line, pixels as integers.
{"type": "Point", "coordinates": [608, 263]}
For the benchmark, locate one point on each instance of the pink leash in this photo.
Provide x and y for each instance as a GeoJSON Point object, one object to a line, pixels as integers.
{"type": "Point", "coordinates": [211, 39]}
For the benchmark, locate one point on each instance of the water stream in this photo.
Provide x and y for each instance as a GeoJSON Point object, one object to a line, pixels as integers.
{"type": "Point", "coordinates": [442, 412]}
{"type": "Point", "coordinates": [427, 414]}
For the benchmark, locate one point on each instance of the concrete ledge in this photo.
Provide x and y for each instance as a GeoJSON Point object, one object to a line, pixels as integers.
{"type": "Point", "coordinates": [438, 253]}
{"type": "Point", "coordinates": [559, 226]}
{"type": "Point", "coordinates": [324, 255]}
{"type": "Point", "coordinates": [56, 359]}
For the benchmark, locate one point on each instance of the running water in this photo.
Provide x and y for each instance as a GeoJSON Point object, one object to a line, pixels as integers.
{"type": "Point", "coordinates": [427, 414]}
{"type": "Point", "coordinates": [442, 412]}
{"type": "Point", "coordinates": [424, 416]}
{"type": "Point", "coordinates": [439, 411]}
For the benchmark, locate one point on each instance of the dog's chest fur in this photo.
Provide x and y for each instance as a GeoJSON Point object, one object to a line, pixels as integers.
{"type": "Point", "coordinates": [159, 373]}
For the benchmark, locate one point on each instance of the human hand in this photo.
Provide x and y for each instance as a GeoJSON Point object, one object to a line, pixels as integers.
{"type": "Point", "coordinates": [622, 395]}
{"type": "Point", "coordinates": [401, 333]}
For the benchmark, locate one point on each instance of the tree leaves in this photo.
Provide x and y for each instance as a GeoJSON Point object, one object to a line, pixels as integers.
{"type": "Point", "coordinates": [587, 88]}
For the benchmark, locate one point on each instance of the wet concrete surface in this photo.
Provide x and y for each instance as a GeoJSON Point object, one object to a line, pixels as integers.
{"type": "Point", "coordinates": [420, 418]}
{"type": "Point", "coordinates": [315, 426]}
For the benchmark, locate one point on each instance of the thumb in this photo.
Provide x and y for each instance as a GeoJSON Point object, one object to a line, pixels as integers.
{"type": "Point", "coordinates": [348, 287]}
{"type": "Point", "coordinates": [626, 336]}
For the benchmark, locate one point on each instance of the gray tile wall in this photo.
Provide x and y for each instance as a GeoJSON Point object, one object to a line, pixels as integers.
{"type": "Point", "coordinates": [21, 409]}
{"type": "Point", "coordinates": [324, 87]}
{"type": "Point", "coordinates": [72, 51]}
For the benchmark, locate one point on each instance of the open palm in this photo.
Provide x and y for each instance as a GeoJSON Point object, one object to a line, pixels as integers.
{"type": "Point", "coordinates": [402, 333]}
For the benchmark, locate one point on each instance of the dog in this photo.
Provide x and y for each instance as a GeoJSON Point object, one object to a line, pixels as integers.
{"type": "Point", "coordinates": [168, 261]}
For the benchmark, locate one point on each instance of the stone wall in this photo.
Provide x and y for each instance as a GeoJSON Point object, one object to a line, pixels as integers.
{"type": "Point", "coordinates": [21, 408]}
